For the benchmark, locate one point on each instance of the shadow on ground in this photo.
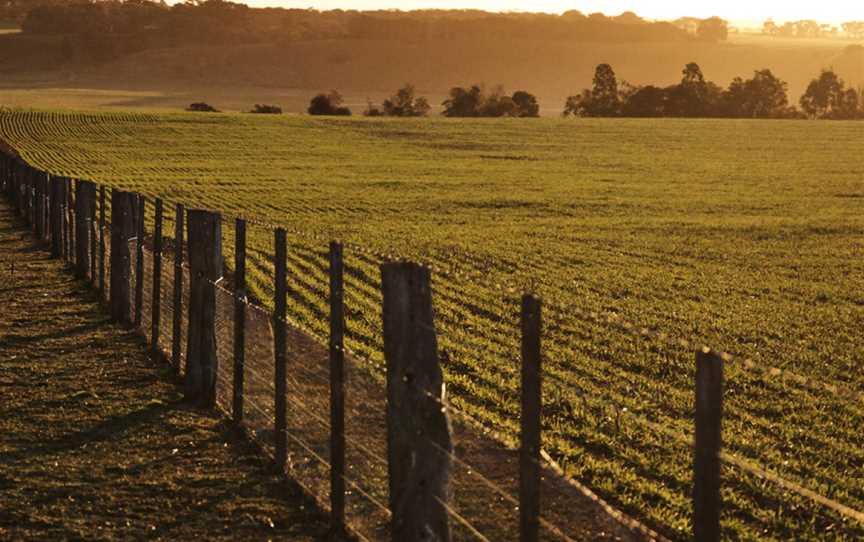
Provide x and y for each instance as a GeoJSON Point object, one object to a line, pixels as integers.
{"type": "Point", "coordinates": [95, 442]}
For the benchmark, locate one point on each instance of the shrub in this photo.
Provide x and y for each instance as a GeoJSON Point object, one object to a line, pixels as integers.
{"type": "Point", "coordinates": [202, 107]}
{"type": "Point", "coordinates": [475, 102]}
{"type": "Point", "coordinates": [404, 104]}
{"type": "Point", "coordinates": [267, 109]}
{"type": "Point", "coordinates": [328, 104]}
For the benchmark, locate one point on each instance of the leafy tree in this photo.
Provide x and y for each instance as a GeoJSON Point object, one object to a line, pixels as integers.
{"type": "Point", "coordinates": [526, 104]}
{"type": "Point", "coordinates": [463, 103]}
{"type": "Point", "coordinates": [694, 97]}
{"type": "Point", "coordinates": [602, 100]}
{"type": "Point", "coordinates": [328, 104]}
{"type": "Point", "coordinates": [649, 102]}
{"type": "Point", "coordinates": [827, 98]}
{"type": "Point", "coordinates": [763, 96]}
{"type": "Point", "coordinates": [404, 104]}
{"type": "Point", "coordinates": [604, 95]}
{"type": "Point", "coordinates": [713, 29]}
{"type": "Point", "coordinates": [474, 102]}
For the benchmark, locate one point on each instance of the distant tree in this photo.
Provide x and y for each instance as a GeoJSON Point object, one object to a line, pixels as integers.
{"type": "Point", "coordinates": [694, 97]}
{"type": "Point", "coordinates": [575, 105]}
{"type": "Point", "coordinates": [770, 28]}
{"type": "Point", "coordinates": [474, 102]}
{"type": "Point", "coordinates": [372, 110]}
{"type": "Point", "coordinates": [854, 29]}
{"type": "Point", "coordinates": [201, 107]}
{"type": "Point", "coordinates": [713, 29]}
{"type": "Point", "coordinates": [648, 101]}
{"type": "Point", "coordinates": [463, 103]}
{"type": "Point", "coordinates": [763, 96]}
{"type": "Point", "coordinates": [267, 109]}
{"type": "Point", "coordinates": [628, 17]}
{"type": "Point", "coordinates": [404, 104]}
{"type": "Point", "coordinates": [827, 98]}
{"type": "Point", "coordinates": [328, 104]}
{"type": "Point", "coordinates": [526, 104]}
{"type": "Point", "coordinates": [604, 95]}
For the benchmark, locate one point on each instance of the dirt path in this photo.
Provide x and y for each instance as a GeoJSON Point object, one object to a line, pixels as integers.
{"type": "Point", "coordinates": [94, 442]}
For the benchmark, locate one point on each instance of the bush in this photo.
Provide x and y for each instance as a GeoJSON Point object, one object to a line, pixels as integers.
{"type": "Point", "coordinates": [404, 104]}
{"type": "Point", "coordinates": [372, 110]}
{"type": "Point", "coordinates": [202, 107]}
{"type": "Point", "coordinates": [267, 109]}
{"type": "Point", "coordinates": [328, 104]}
{"type": "Point", "coordinates": [475, 102]}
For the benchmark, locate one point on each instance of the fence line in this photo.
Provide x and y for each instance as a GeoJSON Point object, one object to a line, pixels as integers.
{"type": "Point", "coordinates": [202, 311]}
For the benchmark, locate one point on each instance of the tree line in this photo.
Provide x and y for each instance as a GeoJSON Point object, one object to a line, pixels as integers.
{"type": "Point", "coordinates": [137, 24]}
{"type": "Point", "coordinates": [761, 96]}
{"type": "Point", "coordinates": [474, 101]}
{"type": "Point", "coordinates": [808, 28]}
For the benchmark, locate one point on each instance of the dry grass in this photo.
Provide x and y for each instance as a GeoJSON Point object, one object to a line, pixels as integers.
{"type": "Point", "coordinates": [94, 441]}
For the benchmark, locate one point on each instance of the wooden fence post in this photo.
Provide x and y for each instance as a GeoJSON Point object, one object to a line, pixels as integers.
{"type": "Point", "coordinates": [156, 301]}
{"type": "Point", "coordinates": [84, 198]}
{"type": "Point", "coordinates": [122, 230]}
{"type": "Point", "coordinates": [205, 268]}
{"type": "Point", "coordinates": [102, 242]}
{"type": "Point", "coordinates": [419, 443]}
{"type": "Point", "coordinates": [529, 451]}
{"type": "Point", "coordinates": [57, 197]}
{"type": "Point", "coordinates": [177, 324]}
{"type": "Point", "coordinates": [337, 393]}
{"type": "Point", "coordinates": [69, 221]}
{"type": "Point", "coordinates": [706, 461]}
{"type": "Point", "coordinates": [239, 318]}
{"type": "Point", "coordinates": [38, 202]}
{"type": "Point", "coordinates": [279, 344]}
{"type": "Point", "coordinates": [93, 243]}
{"type": "Point", "coordinates": [141, 209]}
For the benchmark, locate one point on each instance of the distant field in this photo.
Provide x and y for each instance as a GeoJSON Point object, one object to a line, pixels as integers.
{"type": "Point", "coordinates": [744, 235]}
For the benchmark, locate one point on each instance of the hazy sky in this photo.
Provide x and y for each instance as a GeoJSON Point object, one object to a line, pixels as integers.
{"type": "Point", "coordinates": [736, 10]}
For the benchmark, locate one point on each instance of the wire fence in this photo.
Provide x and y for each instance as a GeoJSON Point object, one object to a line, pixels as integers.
{"type": "Point", "coordinates": [484, 500]}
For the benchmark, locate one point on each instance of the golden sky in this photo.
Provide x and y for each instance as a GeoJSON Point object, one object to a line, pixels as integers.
{"type": "Point", "coordinates": [736, 10]}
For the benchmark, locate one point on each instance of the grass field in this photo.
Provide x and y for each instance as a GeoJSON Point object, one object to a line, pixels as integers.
{"type": "Point", "coordinates": [743, 235]}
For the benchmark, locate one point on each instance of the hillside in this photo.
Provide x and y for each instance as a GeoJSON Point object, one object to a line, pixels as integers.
{"type": "Point", "coordinates": [286, 66]}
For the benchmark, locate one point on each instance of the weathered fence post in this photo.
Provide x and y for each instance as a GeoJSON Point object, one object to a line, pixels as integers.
{"type": "Point", "coordinates": [205, 268]}
{"type": "Point", "coordinates": [156, 301]}
{"type": "Point", "coordinates": [102, 242]}
{"type": "Point", "coordinates": [122, 230]}
{"type": "Point", "coordinates": [38, 202]}
{"type": "Point", "coordinates": [141, 209]}
{"type": "Point", "coordinates": [706, 461]}
{"type": "Point", "coordinates": [239, 318]}
{"type": "Point", "coordinates": [177, 324]}
{"type": "Point", "coordinates": [281, 372]}
{"type": "Point", "coordinates": [93, 246]}
{"type": "Point", "coordinates": [57, 197]}
{"type": "Point", "coordinates": [69, 221]}
{"type": "Point", "coordinates": [337, 392]}
{"type": "Point", "coordinates": [419, 444]}
{"type": "Point", "coordinates": [85, 197]}
{"type": "Point", "coordinates": [529, 451]}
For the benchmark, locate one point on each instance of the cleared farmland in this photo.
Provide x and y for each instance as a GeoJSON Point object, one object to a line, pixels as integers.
{"type": "Point", "coordinates": [743, 235]}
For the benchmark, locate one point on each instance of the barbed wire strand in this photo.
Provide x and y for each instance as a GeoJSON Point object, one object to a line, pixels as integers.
{"type": "Point", "coordinates": [647, 332]}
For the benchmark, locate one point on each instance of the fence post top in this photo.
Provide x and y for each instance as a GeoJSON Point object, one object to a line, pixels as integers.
{"type": "Point", "coordinates": [203, 214]}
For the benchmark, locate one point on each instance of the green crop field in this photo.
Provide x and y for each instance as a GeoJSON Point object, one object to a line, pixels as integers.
{"type": "Point", "coordinates": [747, 236]}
